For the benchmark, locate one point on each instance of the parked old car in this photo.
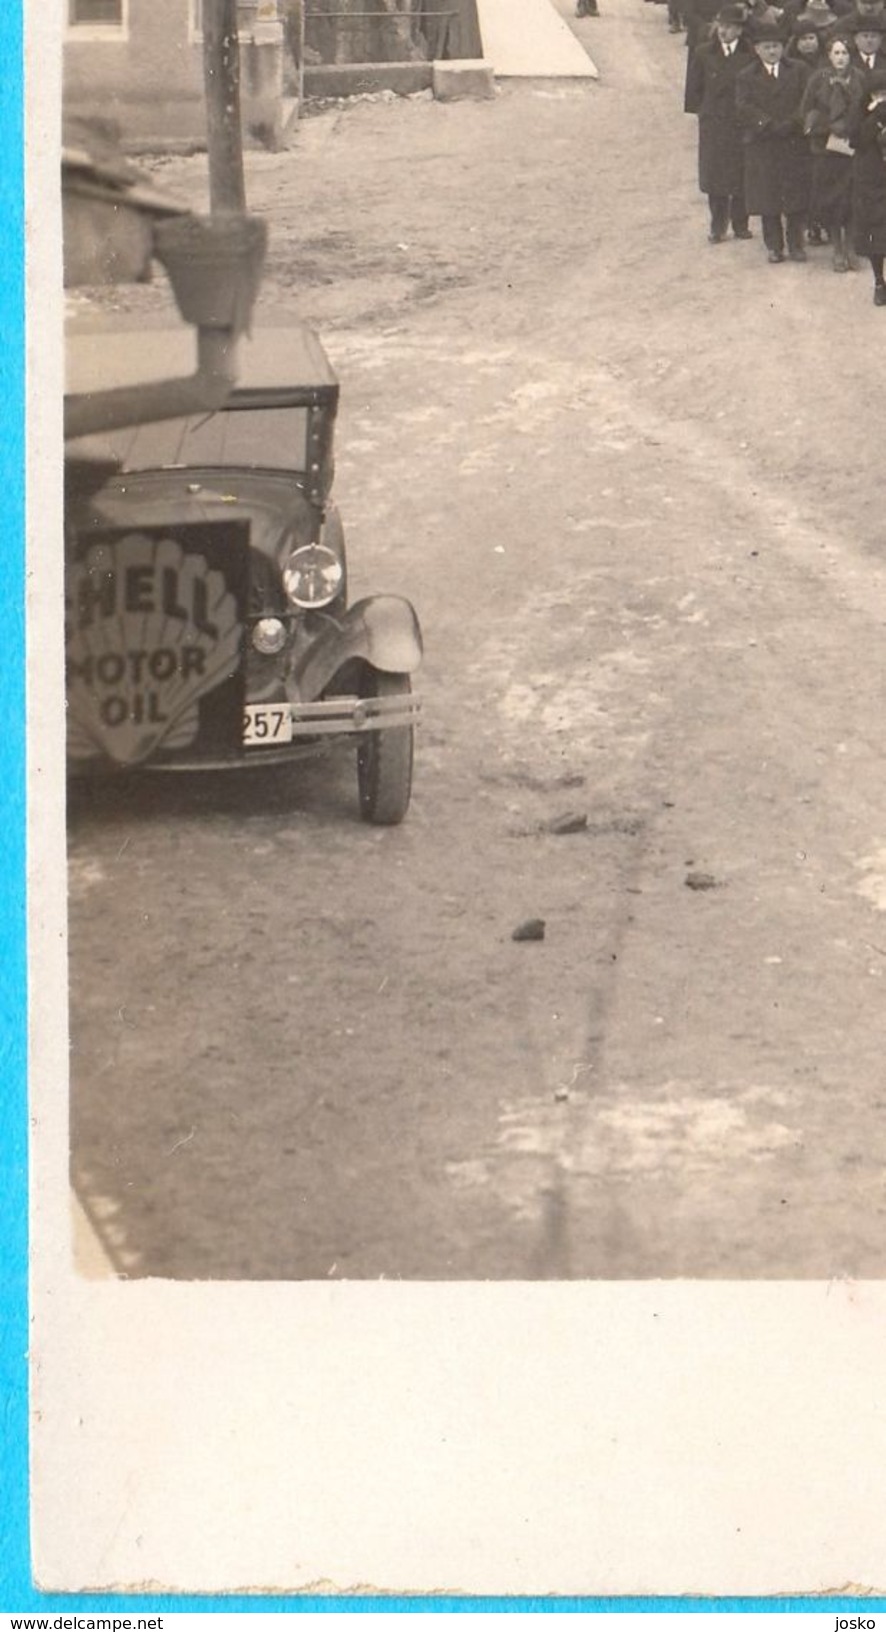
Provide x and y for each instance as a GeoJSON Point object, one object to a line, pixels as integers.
{"type": "Point", "coordinates": [207, 615]}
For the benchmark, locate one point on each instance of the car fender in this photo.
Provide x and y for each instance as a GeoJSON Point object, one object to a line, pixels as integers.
{"type": "Point", "coordinates": [382, 630]}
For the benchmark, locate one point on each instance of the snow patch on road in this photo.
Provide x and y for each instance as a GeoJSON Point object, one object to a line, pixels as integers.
{"type": "Point", "coordinates": [84, 874]}
{"type": "Point", "coordinates": [678, 1132]}
{"type": "Point", "coordinates": [689, 1132]}
{"type": "Point", "coordinates": [873, 885]}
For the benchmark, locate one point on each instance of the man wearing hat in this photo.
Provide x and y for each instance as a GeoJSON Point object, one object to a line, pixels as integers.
{"type": "Point", "coordinates": [777, 169]}
{"type": "Point", "coordinates": [710, 93]}
{"type": "Point", "coordinates": [867, 34]}
{"type": "Point", "coordinates": [817, 17]}
{"type": "Point", "coordinates": [698, 16]}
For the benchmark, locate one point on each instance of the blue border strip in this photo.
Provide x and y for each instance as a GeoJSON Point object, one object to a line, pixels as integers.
{"type": "Point", "coordinates": [28, 1600]}
{"type": "Point", "coordinates": [13, 1000]}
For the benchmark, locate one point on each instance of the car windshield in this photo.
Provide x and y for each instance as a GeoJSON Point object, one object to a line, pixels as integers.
{"type": "Point", "coordinates": [258, 438]}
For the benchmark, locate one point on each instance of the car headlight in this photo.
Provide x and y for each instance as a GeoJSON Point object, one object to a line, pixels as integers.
{"type": "Point", "coordinates": [312, 576]}
{"type": "Point", "coordinates": [269, 636]}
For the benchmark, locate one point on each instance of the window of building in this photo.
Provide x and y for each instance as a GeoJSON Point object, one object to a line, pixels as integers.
{"type": "Point", "coordinates": [98, 16]}
{"type": "Point", "coordinates": [84, 12]}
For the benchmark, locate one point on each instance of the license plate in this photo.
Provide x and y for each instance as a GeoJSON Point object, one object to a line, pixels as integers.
{"type": "Point", "coordinates": [266, 724]}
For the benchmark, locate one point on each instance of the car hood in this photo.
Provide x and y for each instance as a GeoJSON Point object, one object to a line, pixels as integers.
{"type": "Point", "coordinates": [273, 504]}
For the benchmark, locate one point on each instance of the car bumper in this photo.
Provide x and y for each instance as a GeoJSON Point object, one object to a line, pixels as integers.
{"type": "Point", "coordinates": [346, 715]}
{"type": "Point", "coordinates": [309, 725]}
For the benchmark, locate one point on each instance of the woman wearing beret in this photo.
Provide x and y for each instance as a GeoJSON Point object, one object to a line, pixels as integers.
{"type": "Point", "coordinates": [805, 45]}
{"type": "Point", "coordinates": [777, 171]}
{"type": "Point", "coordinates": [831, 105]}
{"type": "Point", "coordinates": [869, 196]}
{"type": "Point", "coordinates": [710, 93]}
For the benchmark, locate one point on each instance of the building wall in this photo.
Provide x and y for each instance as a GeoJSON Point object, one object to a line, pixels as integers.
{"type": "Point", "coordinates": [149, 79]}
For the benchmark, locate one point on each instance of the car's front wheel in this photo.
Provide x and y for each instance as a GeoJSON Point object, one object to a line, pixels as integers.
{"type": "Point", "coordinates": [384, 758]}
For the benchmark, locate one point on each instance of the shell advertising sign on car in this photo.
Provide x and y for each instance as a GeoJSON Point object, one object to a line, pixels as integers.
{"type": "Point", "coordinates": [154, 635]}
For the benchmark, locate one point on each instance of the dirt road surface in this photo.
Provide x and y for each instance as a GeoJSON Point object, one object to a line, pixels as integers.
{"type": "Point", "coordinates": [634, 486]}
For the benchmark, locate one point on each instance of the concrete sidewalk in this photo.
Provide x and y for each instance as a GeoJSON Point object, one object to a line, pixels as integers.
{"type": "Point", "coordinates": [528, 39]}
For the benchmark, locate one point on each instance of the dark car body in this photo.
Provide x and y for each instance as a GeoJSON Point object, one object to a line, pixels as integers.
{"type": "Point", "coordinates": [207, 615]}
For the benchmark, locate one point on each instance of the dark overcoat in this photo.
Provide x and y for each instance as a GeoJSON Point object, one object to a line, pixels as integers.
{"type": "Point", "coordinates": [777, 162]}
{"type": "Point", "coordinates": [870, 76]}
{"type": "Point", "coordinates": [870, 183]}
{"type": "Point", "coordinates": [710, 92]}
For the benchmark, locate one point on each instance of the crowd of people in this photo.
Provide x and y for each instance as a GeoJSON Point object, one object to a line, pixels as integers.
{"type": "Point", "coordinates": [791, 108]}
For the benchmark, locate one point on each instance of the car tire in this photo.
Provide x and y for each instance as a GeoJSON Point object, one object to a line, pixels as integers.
{"type": "Point", "coordinates": [384, 758]}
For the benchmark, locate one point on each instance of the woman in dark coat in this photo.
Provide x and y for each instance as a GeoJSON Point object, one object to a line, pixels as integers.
{"type": "Point", "coordinates": [710, 93]}
{"type": "Point", "coordinates": [805, 45]}
{"type": "Point", "coordinates": [831, 106]}
{"type": "Point", "coordinates": [777, 171]}
{"type": "Point", "coordinates": [869, 197]}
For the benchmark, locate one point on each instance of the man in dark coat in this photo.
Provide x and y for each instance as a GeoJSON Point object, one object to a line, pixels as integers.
{"type": "Point", "coordinates": [777, 171]}
{"type": "Point", "coordinates": [867, 39]}
{"type": "Point", "coordinates": [710, 93]}
{"type": "Point", "coordinates": [870, 183]}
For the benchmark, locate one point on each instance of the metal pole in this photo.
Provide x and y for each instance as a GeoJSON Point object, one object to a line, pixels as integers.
{"type": "Point", "coordinates": [221, 76]}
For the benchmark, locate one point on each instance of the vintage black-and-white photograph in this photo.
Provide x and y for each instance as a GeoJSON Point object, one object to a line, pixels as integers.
{"type": "Point", "coordinates": [474, 638]}
{"type": "Point", "coordinates": [457, 864]}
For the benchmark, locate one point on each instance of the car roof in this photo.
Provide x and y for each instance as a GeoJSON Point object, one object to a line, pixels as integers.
{"type": "Point", "coordinates": [102, 352]}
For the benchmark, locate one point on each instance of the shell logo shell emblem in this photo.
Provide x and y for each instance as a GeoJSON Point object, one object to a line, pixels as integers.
{"type": "Point", "coordinates": [150, 629]}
